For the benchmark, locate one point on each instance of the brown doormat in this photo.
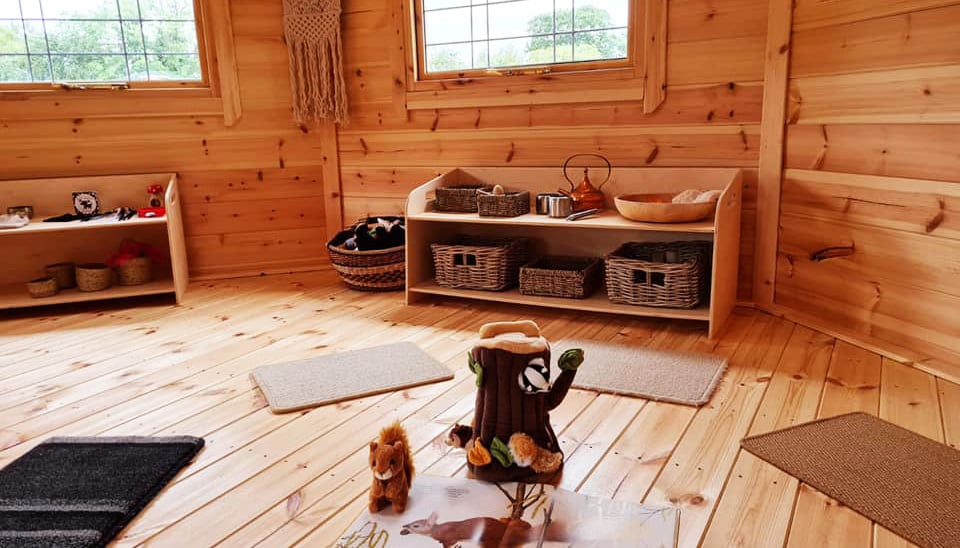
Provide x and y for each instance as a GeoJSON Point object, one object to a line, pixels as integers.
{"type": "Point", "coordinates": [904, 481]}
{"type": "Point", "coordinates": [336, 377]}
{"type": "Point", "coordinates": [677, 377]}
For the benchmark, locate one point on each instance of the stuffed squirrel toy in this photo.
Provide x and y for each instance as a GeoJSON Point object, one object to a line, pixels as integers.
{"type": "Point", "coordinates": [392, 466]}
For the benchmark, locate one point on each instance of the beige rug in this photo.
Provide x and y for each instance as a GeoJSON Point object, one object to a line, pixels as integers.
{"type": "Point", "coordinates": [336, 377]}
{"type": "Point", "coordinates": [904, 481]}
{"type": "Point", "coordinates": [677, 377]}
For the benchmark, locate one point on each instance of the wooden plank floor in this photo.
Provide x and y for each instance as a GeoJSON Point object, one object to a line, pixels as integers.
{"type": "Point", "coordinates": [300, 478]}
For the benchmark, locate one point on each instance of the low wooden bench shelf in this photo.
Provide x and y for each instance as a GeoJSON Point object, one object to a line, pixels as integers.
{"type": "Point", "coordinates": [592, 236]}
{"type": "Point", "coordinates": [28, 249]}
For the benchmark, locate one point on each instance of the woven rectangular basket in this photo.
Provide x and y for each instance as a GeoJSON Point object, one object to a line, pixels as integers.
{"type": "Point", "coordinates": [477, 263]}
{"type": "Point", "coordinates": [458, 198]}
{"type": "Point", "coordinates": [638, 274]}
{"type": "Point", "coordinates": [560, 276]}
{"type": "Point", "coordinates": [509, 204]}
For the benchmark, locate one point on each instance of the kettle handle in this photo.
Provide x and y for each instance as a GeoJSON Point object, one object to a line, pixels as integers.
{"type": "Point", "coordinates": [604, 158]}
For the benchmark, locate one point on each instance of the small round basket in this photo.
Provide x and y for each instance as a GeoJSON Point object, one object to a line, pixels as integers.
{"type": "Point", "coordinates": [136, 271]}
{"type": "Point", "coordinates": [63, 273]}
{"type": "Point", "coordinates": [42, 287]}
{"type": "Point", "coordinates": [93, 277]}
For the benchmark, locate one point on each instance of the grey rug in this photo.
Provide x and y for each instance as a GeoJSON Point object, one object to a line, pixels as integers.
{"type": "Point", "coordinates": [677, 377]}
{"type": "Point", "coordinates": [80, 492]}
{"type": "Point", "coordinates": [337, 377]}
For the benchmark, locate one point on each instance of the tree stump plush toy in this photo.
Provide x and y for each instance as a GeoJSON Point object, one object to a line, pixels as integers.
{"type": "Point", "coordinates": [392, 466]}
{"type": "Point", "coordinates": [511, 438]}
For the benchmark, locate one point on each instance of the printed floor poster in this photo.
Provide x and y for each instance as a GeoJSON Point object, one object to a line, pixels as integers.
{"type": "Point", "coordinates": [452, 512]}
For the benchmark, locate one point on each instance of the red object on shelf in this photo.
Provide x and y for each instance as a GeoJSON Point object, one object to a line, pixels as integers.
{"type": "Point", "coordinates": [151, 212]}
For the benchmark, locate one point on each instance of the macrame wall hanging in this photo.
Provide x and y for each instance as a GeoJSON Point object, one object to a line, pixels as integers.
{"type": "Point", "coordinates": [312, 30]}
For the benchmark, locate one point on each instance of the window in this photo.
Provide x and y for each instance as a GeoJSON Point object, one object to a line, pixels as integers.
{"type": "Point", "coordinates": [96, 41]}
{"type": "Point", "coordinates": [487, 53]}
{"type": "Point", "coordinates": [459, 36]}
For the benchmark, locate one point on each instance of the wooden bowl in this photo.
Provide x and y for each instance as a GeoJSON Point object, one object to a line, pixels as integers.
{"type": "Point", "coordinates": [658, 208]}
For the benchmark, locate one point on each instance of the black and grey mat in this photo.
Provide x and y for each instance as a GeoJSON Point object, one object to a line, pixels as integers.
{"type": "Point", "coordinates": [80, 492]}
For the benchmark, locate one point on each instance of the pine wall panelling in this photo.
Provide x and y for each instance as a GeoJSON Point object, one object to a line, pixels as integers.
{"type": "Point", "coordinates": [710, 117]}
{"type": "Point", "coordinates": [872, 167]}
{"type": "Point", "coordinates": [253, 192]}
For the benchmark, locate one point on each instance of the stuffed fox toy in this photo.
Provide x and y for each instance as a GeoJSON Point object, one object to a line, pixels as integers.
{"type": "Point", "coordinates": [392, 466]}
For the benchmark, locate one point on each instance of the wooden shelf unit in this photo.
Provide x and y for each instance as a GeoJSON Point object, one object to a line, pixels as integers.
{"type": "Point", "coordinates": [593, 236]}
{"type": "Point", "coordinates": [28, 249]}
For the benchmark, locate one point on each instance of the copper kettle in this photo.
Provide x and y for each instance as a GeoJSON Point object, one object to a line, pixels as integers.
{"type": "Point", "coordinates": [586, 196]}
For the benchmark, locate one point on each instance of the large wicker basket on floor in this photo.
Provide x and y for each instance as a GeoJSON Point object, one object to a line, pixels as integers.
{"type": "Point", "coordinates": [377, 270]}
{"type": "Point", "coordinates": [458, 198]}
{"type": "Point", "coordinates": [558, 276]}
{"type": "Point", "coordinates": [668, 275]}
{"type": "Point", "coordinates": [478, 263]}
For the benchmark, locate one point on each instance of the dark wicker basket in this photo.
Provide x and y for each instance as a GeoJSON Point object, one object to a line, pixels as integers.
{"type": "Point", "coordinates": [458, 198]}
{"type": "Point", "coordinates": [478, 263]}
{"type": "Point", "coordinates": [377, 270]}
{"type": "Point", "coordinates": [509, 204]}
{"type": "Point", "coordinates": [640, 274]}
{"type": "Point", "coordinates": [558, 276]}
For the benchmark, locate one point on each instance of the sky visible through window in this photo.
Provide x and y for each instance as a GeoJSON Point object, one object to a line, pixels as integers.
{"type": "Point", "coordinates": [98, 41]}
{"type": "Point", "coordinates": [481, 34]}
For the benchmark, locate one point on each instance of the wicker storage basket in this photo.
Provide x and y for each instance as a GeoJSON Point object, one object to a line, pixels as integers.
{"type": "Point", "coordinates": [458, 198]}
{"type": "Point", "coordinates": [509, 204]}
{"type": "Point", "coordinates": [42, 287]}
{"type": "Point", "coordinates": [93, 276]}
{"type": "Point", "coordinates": [377, 270]}
{"type": "Point", "coordinates": [477, 263]}
{"type": "Point", "coordinates": [558, 276]}
{"type": "Point", "coordinates": [638, 274]}
{"type": "Point", "coordinates": [63, 273]}
{"type": "Point", "coordinates": [137, 271]}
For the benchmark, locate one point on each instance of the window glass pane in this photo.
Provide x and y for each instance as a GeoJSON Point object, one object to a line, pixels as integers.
{"type": "Point", "coordinates": [129, 9]}
{"type": "Point", "coordinates": [11, 37]}
{"type": "Point", "coordinates": [173, 67]}
{"type": "Point", "coordinates": [101, 40]}
{"type": "Point", "coordinates": [446, 26]}
{"type": "Point", "coordinates": [602, 44]}
{"type": "Point", "coordinates": [36, 40]}
{"type": "Point", "coordinates": [564, 15]}
{"type": "Point", "coordinates": [448, 57]}
{"type": "Point", "coordinates": [441, 4]}
{"type": "Point", "coordinates": [170, 36]}
{"type": "Point", "coordinates": [166, 9]}
{"type": "Point", "coordinates": [479, 23]}
{"type": "Point", "coordinates": [31, 9]}
{"type": "Point", "coordinates": [79, 9]}
{"type": "Point", "coordinates": [41, 68]}
{"type": "Point", "coordinates": [84, 36]}
{"type": "Point", "coordinates": [133, 36]}
{"type": "Point", "coordinates": [78, 68]}
{"type": "Point", "coordinates": [601, 14]}
{"type": "Point", "coordinates": [512, 33]}
{"type": "Point", "coordinates": [525, 18]}
{"type": "Point", "coordinates": [14, 68]}
{"type": "Point", "coordinates": [10, 10]}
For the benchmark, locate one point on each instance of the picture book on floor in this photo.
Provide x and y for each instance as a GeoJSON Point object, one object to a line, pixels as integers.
{"type": "Point", "coordinates": [448, 512]}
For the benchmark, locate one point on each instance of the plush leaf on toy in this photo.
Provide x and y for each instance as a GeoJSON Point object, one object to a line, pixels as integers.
{"type": "Point", "coordinates": [501, 452]}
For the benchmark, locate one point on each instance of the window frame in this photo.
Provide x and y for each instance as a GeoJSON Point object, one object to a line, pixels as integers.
{"type": "Point", "coordinates": [643, 79]}
{"type": "Point", "coordinates": [217, 93]}
{"type": "Point", "coordinates": [535, 69]}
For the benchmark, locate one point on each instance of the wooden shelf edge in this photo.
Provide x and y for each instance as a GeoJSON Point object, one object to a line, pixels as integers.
{"type": "Point", "coordinates": [38, 226]}
{"type": "Point", "coordinates": [16, 296]}
{"type": "Point", "coordinates": [597, 302]}
{"type": "Point", "coordinates": [606, 220]}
